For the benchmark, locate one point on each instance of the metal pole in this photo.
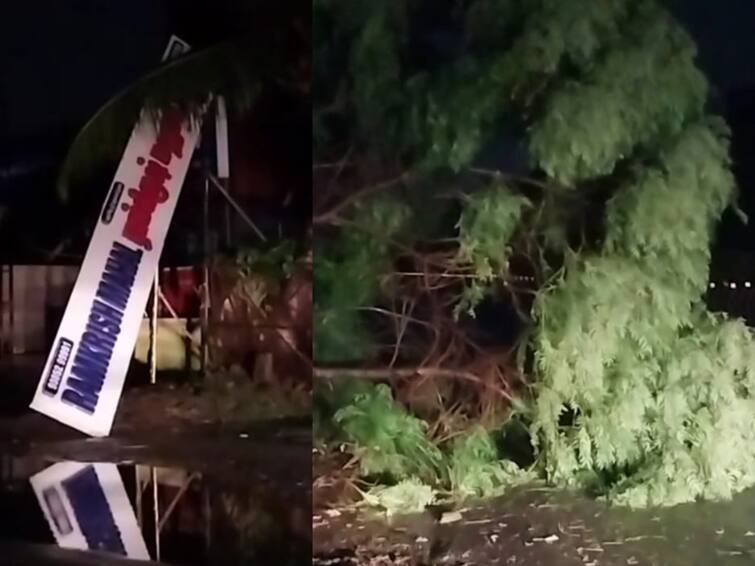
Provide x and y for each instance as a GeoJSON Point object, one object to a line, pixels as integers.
{"type": "Point", "coordinates": [228, 220]}
{"type": "Point", "coordinates": [139, 493]}
{"type": "Point", "coordinates": [173, 504]}
{"type": "Point", "coordinates": [205, 318]}
{"type": "Point", "coordinates": [12, 320]}
{"type": "Point", "coordinates": [4, 305]}
{"type": "Point", "coordinates": [219, 186]}
{"type": "Point", "coordinates": [156, 507]}
{"type": "Point", "coordinates": [207, 519]}
{"type": "Point", "coordinates": [153, 329]}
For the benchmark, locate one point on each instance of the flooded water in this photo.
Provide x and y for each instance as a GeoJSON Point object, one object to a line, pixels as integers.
{"type": "Point", "coordinates": [532, 526]}
{"type": "Point", "coordinates": [66, 512]}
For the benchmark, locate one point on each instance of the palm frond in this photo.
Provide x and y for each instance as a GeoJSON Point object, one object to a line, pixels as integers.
{"type": "Point", "coordinates": [238, 69]}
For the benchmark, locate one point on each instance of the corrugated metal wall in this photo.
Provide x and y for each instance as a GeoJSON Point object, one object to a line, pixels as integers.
{"type": "Point", "coordinates": [34, 297]}
{"type": "Point", "coordinates": [31, 295]}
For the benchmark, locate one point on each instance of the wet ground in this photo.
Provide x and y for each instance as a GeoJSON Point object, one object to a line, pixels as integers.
{"type": "Point", "coordinates": [53, 509]}
{"type": "Point", "coordinates": [541, 527]}
{"type": "Point", "coordinates": [185, 478]}
{"type": "Point", "coordinates": [220, 497]}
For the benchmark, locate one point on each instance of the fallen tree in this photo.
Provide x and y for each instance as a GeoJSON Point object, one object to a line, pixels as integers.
{"type": "Point", "coordinates": [555, 162]}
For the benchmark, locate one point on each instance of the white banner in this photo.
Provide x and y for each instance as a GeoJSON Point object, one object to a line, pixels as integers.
{"type": "Point", "coordinates": [83, 378]}
{"type": "Point", "coordinates": [87, 508]}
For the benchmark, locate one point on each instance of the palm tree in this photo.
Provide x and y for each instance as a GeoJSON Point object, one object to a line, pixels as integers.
{"type": "Point", "coordinates": [269, 52]}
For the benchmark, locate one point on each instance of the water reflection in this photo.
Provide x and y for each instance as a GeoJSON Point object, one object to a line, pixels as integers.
{"type": "Point", "coordinates": [142, 512]}
{"type": "Point", "coordinates": [87, 508]}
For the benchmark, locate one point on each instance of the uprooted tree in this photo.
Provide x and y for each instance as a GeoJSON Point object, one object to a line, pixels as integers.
{"type": "Point", "coordinates": [556, 157]}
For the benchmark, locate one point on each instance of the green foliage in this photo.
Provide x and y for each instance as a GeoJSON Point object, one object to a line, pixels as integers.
{"type": "Point", "coordinates": [688, 190]}
{"type": "Point", "coordinates": [357, 71]}
{"type": "Point", "coordinates": [651, 397]}
{"type": "Point", "coordinates": [638, 390]}
{"type": "Point", "coordinates": [389, 441]}
{"type": "Point", "coordinates": [347, 278]}
{"type": "Point", "coordinates": [340, 336]}
{"type": "Point", "coordinates": [638, 94]}
{"type": "Point", "coordinates": [700, 427]}
{"type": "Point", "coordinates": [461, 107]}
{"type": "Point", "coordinates": [486, 226]}
{"type": "Point", "coordinates": [378, 94]}
{"type": "Point", "coordinates": [453, 114]}
{"type": "Point", "coordinates": [259, 274]}
{"type": "Point", "coordinates": [476, 468]}
{"type": "Point", "coordinates": [238, 69]}
{"type": "Point", "coordinates": [407, 496]}
{"type": "Point", "coordinates": [444, 117]}
{"type": "Point", "coordinates": [278, 261]}
{"type": "Point", "coordinates": [327, 399]}
{"type": "Point", "coordinates": [392, 445]}
{"type": "Point", "coordinates": [558, 34]}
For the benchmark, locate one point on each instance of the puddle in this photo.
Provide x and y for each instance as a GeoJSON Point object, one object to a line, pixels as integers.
{"type": "Point", "coordinates": [52, 512]}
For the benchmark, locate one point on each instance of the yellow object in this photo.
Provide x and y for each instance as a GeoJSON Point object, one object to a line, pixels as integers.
{"type": "Point", "coordinates": [172, 344]}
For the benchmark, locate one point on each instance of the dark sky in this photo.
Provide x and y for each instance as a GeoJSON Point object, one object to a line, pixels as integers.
{"type": "Point", "coordinates": [725, 34]}
{"type": "Point", "coordinates": [61, 60]}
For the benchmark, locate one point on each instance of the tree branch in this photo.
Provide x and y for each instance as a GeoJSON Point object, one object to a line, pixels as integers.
{"type": "Point", "coordinates": [397, 373]}
{"type": "Point", "coordinates": [331, 216]}
{"type": "Point", "coordinates": [497, 174]}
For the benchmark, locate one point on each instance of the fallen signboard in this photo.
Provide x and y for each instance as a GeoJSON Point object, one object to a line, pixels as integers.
{"type": "Point", "coordinates": [83, 377]}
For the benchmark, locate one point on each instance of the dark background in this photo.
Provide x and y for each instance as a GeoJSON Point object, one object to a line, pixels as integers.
{"type": "Point", "coordinates": [60, 62]}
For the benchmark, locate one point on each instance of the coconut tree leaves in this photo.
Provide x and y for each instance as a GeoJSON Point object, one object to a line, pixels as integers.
{"type": "Point", "coordinates": [238, 69]}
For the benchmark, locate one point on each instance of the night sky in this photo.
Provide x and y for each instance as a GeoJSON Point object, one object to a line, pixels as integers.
{"type": "Point", "coordinates": [61, 61]}
{"type": "Point", "coordinates": [725, 35]}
